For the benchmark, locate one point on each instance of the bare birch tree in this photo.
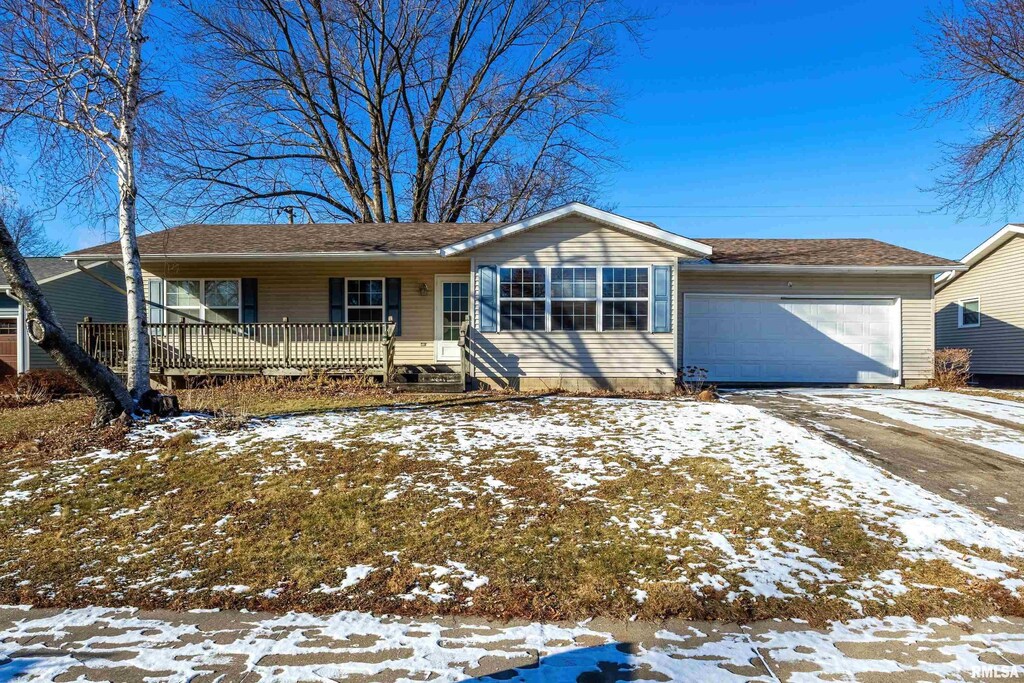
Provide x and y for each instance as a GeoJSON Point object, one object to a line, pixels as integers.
{"type": "Point", "coordinates": [71, 84]}
{"type": "Point", "coordinates": [112, 398]}
{"type": "Point", "coordinates": [975, 58]}
{"type": "Point", "coordinates": [388, 110]}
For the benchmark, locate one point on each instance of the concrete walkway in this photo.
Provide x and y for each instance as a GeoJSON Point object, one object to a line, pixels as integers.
{"type": "Point", "coordinates": [96, 644]}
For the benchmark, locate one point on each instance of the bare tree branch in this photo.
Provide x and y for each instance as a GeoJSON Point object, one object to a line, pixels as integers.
{"type": "Point", "coordinates": [386, 110]}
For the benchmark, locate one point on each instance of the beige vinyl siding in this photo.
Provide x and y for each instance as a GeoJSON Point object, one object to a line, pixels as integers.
{"type": "Point", "coordinates": [77, 295]}
{"type": "Point", "coordinates": [299, 290]}
{"type": "Point", "coordinates": [998, 281]}
{"type": "Point", "coordinates": [571, 355]}
{"type": "Point", "coordinates": [914, 291]}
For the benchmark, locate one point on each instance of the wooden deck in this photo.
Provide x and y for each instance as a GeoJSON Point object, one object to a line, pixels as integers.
{"type": "Point", "coordinates": [284, 348]}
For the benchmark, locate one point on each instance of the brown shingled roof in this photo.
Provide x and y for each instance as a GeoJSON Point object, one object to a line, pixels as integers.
{"type": "Point", "coordinates": [334, 238]}
{"type": "Point", "coordinates": [300, 238]}
{"type": "Point", "coordinates": [817, 252]}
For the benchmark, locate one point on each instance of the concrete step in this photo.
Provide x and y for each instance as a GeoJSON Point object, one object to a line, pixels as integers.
{"type": "Point", "coordinates": [429, 387]}
{"type": "Point", "coordinates": [431, 377]}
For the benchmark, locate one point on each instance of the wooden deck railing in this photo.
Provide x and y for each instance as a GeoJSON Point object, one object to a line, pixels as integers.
{"type": "Point", "coordinates": [285, 347]}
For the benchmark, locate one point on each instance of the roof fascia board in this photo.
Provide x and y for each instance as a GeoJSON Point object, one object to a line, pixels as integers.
{"type": "Point", "coordinates": [75, 271]}
{"type": "Point", "coordinates": [997, 240]}
{"type": "Point", "coordinates": [784, 268]}
{"type": "Point", "coordinates": [578, 209]}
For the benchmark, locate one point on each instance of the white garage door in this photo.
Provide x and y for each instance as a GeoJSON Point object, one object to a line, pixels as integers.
{"type": "Point", "coordinates": [791, 339]}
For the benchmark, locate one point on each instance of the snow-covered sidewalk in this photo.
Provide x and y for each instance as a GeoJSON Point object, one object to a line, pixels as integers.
{"type": "Point", "coordinates": [102, 644]}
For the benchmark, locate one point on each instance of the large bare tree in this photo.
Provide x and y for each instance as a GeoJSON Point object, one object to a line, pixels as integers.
{"type": "Point", "coordinates": [71, 85]}
{"type": "Point", "coordinates": [975, 58]}
{"type": "Point", "coordinates": [388, 110]}
{"type": "Point", "coordinates": [112, 397]}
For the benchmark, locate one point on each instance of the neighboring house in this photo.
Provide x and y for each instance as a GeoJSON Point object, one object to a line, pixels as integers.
{"type": "Point", "coordinates": [574, 297]}
{"type": "Point", "coordinates": [982, 308]}
{"type": "Point", "coordinates": [72, 295]}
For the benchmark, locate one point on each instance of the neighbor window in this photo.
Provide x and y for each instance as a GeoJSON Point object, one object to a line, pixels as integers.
{"type": "Point", "coordinates": [625, 298]}
{"type": "Point", "coordinates": [522, 293]}
{"type": "Point", "coordinates": [970, 313]}
{"type": "Point", "coordinates": [574, 299]}
{"type": "Point", "coordinates": [365, 300]}
{"type": "Point", "coordinates": [203, 301]}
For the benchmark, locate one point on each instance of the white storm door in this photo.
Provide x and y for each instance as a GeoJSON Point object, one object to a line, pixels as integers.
{"type": "Point", "coordinates": [451, 306]}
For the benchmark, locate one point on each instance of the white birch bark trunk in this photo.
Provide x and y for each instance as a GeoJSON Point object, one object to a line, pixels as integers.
{"type": "Point", "coordinates": [138, 335]}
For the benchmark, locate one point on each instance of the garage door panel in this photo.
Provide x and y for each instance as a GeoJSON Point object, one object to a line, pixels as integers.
{"type": "Point", "coordinates": [775, 339]}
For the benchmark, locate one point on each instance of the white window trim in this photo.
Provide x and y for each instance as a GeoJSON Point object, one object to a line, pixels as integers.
{"type": "Point", "coordinates": [202, 307]}
{"type": "Point", "coordinates": [599, 300]}
{"type": "Point", "coordinates": [551, 297]}
{"type": "Point", "coordinates": [649, 298]}
{"type": "Point", "coordinates": [546, 299]}
{"type": "Point", "coordinates": [960, 312]}
{"type": "Point", "coordinates": [383, 308]}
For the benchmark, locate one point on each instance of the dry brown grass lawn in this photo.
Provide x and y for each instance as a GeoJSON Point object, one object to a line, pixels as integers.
{"type": "Point", "coordinates": [218, 516]}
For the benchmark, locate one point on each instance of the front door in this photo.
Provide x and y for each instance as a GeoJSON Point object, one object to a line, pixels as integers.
{"type": "Point", "coordinates": [8, 347]}
{"type": "Point", "coordinates": [451, 306]}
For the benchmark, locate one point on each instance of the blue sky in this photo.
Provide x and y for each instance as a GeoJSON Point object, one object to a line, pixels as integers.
{"type": "Point", "coordinates": [801, 104]}
{"type": "Point", "coordinates": [773, 119]}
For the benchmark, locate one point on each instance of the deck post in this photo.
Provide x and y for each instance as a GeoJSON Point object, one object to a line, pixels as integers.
{"type": "Point", "coordinates": [181, 340]}
{"type": "Point", "coordinates": [287, 342]}
{"type": "Point", "coordinates": [85, 330]}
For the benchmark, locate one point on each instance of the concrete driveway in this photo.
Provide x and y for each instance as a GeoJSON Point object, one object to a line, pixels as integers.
{"type": "Point", "coordinates": [963, 447]}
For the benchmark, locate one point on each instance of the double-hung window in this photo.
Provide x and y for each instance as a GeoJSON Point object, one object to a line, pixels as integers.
{"type": "Point", "coordinates": [203, 301]}
{"type": "Point", "coordinates": [625, 298]}
{"type": "Point", "coordinates": [969, 313]}
{"type": "Point", "coordinates": [574, 299]}
{"type": "Point", "coordinates": [522, 294]}
{"type": "Point", "coordinates": [364, 299]}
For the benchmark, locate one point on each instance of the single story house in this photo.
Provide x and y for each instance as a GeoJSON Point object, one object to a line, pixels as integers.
{"type": "Point", "coordinates": [72, 294]}
{"type": "Point", "coordinates": [574, 297]}
{"type": "Point", "coordinates": [982, 308]}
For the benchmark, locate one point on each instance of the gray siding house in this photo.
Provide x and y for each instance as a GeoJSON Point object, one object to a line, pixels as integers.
{"type": "Point", "coordinates": [982, 308]}
{"type": "Point", "coordinates": [575, 298]}
{"type": "Point", "coordinates": [71, 293]}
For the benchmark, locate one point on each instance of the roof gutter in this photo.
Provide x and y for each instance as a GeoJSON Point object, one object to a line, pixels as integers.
{"type": "Point", "coordinates": [289, 256]}
{"type": "Point", "coordinates": [703, 266]}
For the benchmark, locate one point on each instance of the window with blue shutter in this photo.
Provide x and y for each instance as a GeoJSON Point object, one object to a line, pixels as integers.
{"type": "Point", "coordinates": [250, 300]}
{"type": "Point", "coordinates": [487, 281]}
{"type": "Point", "coordinates": [393, 302]}
{"type": "Point", "coordinates": [156, 301]}
{"type": "Point", "coordinates": [662, 320]}
{"type": "Point", "coordinates": [337, 299]}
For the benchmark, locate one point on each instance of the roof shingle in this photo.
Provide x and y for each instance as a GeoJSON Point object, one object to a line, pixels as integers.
{"type": "Point", "coordinates": [43, 267]}
{"type": "Point", "coordinates": [391, 238]}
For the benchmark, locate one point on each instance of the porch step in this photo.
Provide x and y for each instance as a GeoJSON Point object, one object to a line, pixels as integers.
{"type": "Point", "coordinates": [431, 377]}
{"type": "Point", "coordinates": [429, 387]}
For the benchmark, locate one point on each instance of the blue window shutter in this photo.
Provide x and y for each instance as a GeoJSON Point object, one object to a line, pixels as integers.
{"type": "Point", "coordinates": [487, 278]}
{"type": "Point", "coordinates": [156, 301]}
{"type": "Point", "coordinates": [662, 321]}
{"type": "Point", "coordinates": [393, 302]}
{"type": "Point", "coordinates": [250, 300]}
{"type": "Point", "coordinates": [337, 296]}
